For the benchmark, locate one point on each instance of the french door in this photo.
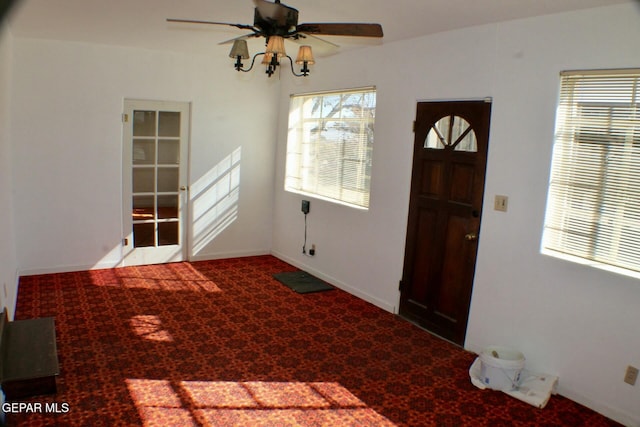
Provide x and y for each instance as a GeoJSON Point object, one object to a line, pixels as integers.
{"type": "Point", "coordinates": [155, 158]}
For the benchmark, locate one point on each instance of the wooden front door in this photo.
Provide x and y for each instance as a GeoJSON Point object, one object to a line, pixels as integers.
{"type": "Point", "coordinates": [445, 208]}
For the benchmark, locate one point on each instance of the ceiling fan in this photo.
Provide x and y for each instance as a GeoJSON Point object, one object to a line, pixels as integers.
{"type": "Point", "coordinates": [275, 22]}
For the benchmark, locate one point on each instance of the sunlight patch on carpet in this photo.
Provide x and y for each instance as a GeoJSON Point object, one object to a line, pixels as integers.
{"type": "Point", "coordinates": [251, 403]}
{"type": "Point", "coordinates": [150, 327]}
{"type": "Point", "coordinates": [174, 277]}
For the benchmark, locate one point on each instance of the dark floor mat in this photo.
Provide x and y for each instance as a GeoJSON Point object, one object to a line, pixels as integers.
{"type": "Point", "coordinates": [302, 282]}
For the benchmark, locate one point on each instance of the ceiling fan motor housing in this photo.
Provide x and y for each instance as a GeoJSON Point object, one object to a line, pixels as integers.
{"type": "Point", "coordinates": [281, 25]}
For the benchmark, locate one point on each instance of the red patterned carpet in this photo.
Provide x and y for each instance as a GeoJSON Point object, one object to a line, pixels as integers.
{"type": "Point", "coordinates": [221, 343]}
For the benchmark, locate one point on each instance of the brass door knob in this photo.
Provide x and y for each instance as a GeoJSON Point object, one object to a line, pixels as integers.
{"type": "Point", "coordinates": [471, 236]}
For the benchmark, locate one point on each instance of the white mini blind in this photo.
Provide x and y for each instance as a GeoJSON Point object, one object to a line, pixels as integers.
{"type": "Point", "coordinates": [593, 204]}
{"type": "Point", "coordinates": [330, 143]}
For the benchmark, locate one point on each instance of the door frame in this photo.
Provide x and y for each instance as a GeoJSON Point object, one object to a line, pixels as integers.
{"type": "Point", "coordinates": [168, 255]}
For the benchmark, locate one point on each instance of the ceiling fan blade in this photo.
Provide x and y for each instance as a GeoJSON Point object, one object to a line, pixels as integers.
{"type": "Point", "coordinates": [191, 21]}
{"type": "Point", "coordinates": [301, 38]}
{"type": "Point", "coordinates": [245, 37]}
{"type": "Point", "coordinates": [321, 47]}
{"type": "Point", "coordinates": [342, 29]}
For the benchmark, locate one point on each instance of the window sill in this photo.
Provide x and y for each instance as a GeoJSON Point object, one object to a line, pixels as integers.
{"type": "Point", "coordinates": [590, 263]}
{"type": "Point", "coordinates": [327, 199]}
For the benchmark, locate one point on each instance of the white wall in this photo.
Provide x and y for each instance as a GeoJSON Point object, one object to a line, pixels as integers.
{"type": "Point", "coordinates": [8, 261]}
{"type": "Point", "coordinates": [67, 138]}
{"type": "Point", "coordinates": [573, 321]}
{"type": "Point", "coordinates": [362, 251]}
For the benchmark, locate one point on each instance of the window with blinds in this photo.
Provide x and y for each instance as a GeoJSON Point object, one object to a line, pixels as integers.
{"type": "Point", "coordinates": [593, 204]}
{"type": "Point", "coordinates": [329, 145]}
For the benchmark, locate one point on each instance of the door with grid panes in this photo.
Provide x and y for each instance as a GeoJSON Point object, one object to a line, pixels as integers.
{"type": "Point", "coordinates": [155, 181]}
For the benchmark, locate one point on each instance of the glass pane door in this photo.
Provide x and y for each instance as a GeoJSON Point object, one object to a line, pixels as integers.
{"type": "Point", "coordinates": [156, 149]}
{"type": "Point", "coordinates": [156, 183]}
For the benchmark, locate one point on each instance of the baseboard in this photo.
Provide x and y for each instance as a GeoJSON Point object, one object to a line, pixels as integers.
{"type": "Point", "coordinates": [115, 264]}
{"type": "Point", "coordinates": [624, 418]}
{"type": "Point", "coordinates": [337, 283]}
{"type": "Point", "coordinates": [68, 268]}
{"type": "Point", "coordinates": [224, 255]}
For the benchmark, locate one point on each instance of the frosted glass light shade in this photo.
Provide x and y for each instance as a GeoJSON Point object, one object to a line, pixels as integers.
{"type": "Point", "coordinates": [266, 58]}
{"type": "Point", "coordinates": [276, 46]}
{"type": "Point", "coordinates": [240, 49]}
{"type": "Point", "coordinates": [305, 55]}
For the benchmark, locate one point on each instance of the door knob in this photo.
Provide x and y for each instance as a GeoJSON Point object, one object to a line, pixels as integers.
{"type": "Point", "coordinates": [471, 236]}
{"type": "Point", "coordinates": [183, 188]}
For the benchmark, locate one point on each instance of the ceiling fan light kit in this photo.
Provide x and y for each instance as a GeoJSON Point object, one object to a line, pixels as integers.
{"type": "Point", "coordinates": [271, 57]}
{"type": "Point", "coordinates": [276, 22]}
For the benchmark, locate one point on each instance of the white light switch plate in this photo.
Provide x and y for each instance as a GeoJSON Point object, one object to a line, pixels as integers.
{"type": "Point", "coordinates": [500, 203]}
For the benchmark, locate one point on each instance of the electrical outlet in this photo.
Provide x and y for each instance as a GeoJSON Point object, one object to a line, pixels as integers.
{"type": "Point", "coordinates": [631, 375]}
{"type": "Point", "coordinates": [500, 203]}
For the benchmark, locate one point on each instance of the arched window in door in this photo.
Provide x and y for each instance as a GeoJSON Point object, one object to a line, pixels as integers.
{"type": "Point", "coordinates": [451, 132]}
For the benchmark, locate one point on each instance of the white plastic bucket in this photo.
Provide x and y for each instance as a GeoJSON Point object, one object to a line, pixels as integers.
{"type": "Point", "coordinates": [501, 367]}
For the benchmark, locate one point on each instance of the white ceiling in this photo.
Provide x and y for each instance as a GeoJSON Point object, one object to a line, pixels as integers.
{"type": "Point", "coordinates": [141, 23]}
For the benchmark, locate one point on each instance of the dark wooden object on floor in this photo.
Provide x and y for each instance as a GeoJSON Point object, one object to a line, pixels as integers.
{"type": "Point", "coordinates": [28, 357]}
